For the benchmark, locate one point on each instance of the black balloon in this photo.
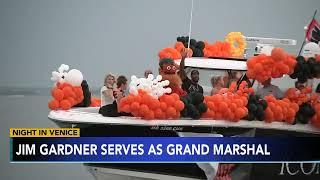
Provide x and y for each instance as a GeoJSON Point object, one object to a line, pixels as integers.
{"type": "Point", "coordinates": [306, 69]}
{"type": "Point", "coordinates": [256, 106]}
{"type": "Point", "coordinates": [86, 95]}
{"type": "Point", "coordinates": [193, 105]}
{"type": "Point", "coordinates": [196, 46]}
{"type": "Point", "coordinates": [305, 113]}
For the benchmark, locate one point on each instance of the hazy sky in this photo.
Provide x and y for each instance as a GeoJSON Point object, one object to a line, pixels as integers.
{"type": "Point", "coordinates": [124, 37]}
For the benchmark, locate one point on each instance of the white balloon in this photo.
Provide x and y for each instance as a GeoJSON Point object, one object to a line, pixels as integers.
{"type": "Point", "coordinates": [74, 77]}
{"type": "Point", "coordinates": [310, 49]}
{"type": "Point", "coordinates": [165, 83]}
{"type": "Point", "coordinates": [63, 67]}
{"type": "Point", "coordinates": [150, 77]}
{"type": "Point", "coordinates": [159, 78]}
{"type": "Point", "coordinates": [134, 78]}
{"type": "Point", "coordinates": [266, 50]}
{"type": "Point", "coordinates": [55, 76]}
{"type": "Point", "coordinates": [133, 90]}
{"type": "Point", "coordinates": [152, 85]}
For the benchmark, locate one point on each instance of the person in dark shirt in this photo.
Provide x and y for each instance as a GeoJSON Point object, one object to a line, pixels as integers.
{"type": "Point", "coordinates": [189, 85]}
{"type": "Point", "coordinates": [318, 88]}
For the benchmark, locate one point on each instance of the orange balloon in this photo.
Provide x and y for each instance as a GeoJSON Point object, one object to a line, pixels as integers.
{"type": "Point", "coordinates": [163, 106]}
{"type": "Point", "coordinates": [134, 106]}
{"type": "Point", "coordinates": [138, 98]}
{"type": "Point", "coordinates": [169, 100]}
{"type": "Point", "coordinates": [155, 104]}
{"type": "Point", "coordinates": [144, 109]}
{"type": "Point", "coordinates": [72, 101]}
{"type": "Point", "coordinates": [149, 115]}
{"type": "Point", "coordinates": [53, 104]}
{"type": "Point", "coordinates": [146, 99]}
{"type": "Point", "coordinates": [78, 91]}
{"type": "Point", "coordinates": [223, 106]}
{"type": "Point", "coordinates": [67, 90]}
{"type": "Point", "coordinates": [63, 85]}
{"type": "Point", "coordinates": [65, 104]}
{"type": "Point", "coordinates": [211, 114]}
{"type": "Point", "coordinates": [159, 114]}
{"type": "Point", "coordinates": [233, 107]}
{"type": "Point", "coordinates": [210, 105]}
{"type": "Point", "coordinates": [278, 54]}
{"type": "Point", "coordinates": [126, 108]}
{"type": "Point", "coordinates": [240, 113]}
{"type": "Point", "coordinates": [170, 112]}
{"type": "Point", "coordinates": [130, 99]}
{"type": "Point", "coordinates": [179, 105]}
{"type": "Point", "coordinates": [175, 96]}
{"type": "Point", "coordinates": [179, 46]}
{"type": "Point", "coordinates": [57, 94]}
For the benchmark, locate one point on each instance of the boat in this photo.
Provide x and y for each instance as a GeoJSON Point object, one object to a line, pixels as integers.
{"type": "Point", "coordinates": [92, 123]}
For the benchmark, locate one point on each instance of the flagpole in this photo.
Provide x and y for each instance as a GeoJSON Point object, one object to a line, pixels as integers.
{"type": "Point", "coordinates": [190, 23]}
{"type": "Point", "coordinates": [305, 36]}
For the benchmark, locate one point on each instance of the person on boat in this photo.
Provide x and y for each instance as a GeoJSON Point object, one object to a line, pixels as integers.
{"type": "Point", "coordinates": [217, 84]}
{"type": "Point", "coordinates": [298, 85]}
{"type": "Point", "coordinates": [111, 110]}
{"type": "Point", "coordinates": [147, 72]}
{"type": "Point", "coordinates": [318, 88]}
{"type": "Point", "coordinates": [269, 89]}
{"type": "Point", "coordinates": [189, 85]}
{"type": "Point", "coordinates": [119, 91]}
{"type": "Point", "coordinates": [106, 91]}
{"type": "Point", "coordinates": [169, 71]}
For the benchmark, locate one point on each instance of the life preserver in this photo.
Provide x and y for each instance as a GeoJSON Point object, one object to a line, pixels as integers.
{"type": "Point", "coordinates": [236, 37]}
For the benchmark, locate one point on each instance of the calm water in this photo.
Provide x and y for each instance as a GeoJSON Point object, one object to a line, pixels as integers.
{"type": "Point", "coordinates": [31, 111]}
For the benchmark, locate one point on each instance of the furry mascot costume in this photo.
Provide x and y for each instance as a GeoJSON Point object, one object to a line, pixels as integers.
{"type": "Point", "coordinates": [169, 71]}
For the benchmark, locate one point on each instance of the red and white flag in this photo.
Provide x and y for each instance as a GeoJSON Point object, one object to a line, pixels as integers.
{"type": "Point", "coordinates": [313, 32]}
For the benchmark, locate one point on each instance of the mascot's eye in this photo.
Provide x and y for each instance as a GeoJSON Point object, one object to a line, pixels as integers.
{"type": "Point", "coordinates": [62, 77]}
{"type": "Point", "coordinates": [174, 68]}
{"type": "Point", "coordinates": [168, 68]}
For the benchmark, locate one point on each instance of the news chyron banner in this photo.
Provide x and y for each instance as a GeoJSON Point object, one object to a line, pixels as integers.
{"type": "Point", "coordinates": [66, 145]}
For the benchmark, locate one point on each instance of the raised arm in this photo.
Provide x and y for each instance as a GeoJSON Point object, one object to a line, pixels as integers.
{"type": "Point", "coordinates": [182, 72]}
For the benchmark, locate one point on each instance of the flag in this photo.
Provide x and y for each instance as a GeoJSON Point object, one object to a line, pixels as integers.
{"type": "Point", "coordinates": [313, 32]}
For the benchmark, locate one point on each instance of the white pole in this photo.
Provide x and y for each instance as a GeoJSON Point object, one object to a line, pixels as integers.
{"type": "Point", "coordinates": [190, 23]}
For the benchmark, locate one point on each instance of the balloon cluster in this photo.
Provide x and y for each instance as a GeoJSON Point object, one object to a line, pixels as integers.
{"type": "Point", "coordinates": [263, 67]}
{"type": "Point", "coordinates": [218, 49]}
{"type": "Point", "coordinates": [306, 69]}
{"type": "Point", "coordinates": [174, 53]}
{"type": "Point", "coordinates": [67, 91]}
{"type": "Point", "coordinates": [73, 77]}
{"type": "Point", "coordinates": [305, 113]}
{"type": "Point", "coordinates": [297, 96]}
{"type": "Point", "coordinates": [228, 104]}
{"type": "Point", "coordinates": [154, 86]}
{"type": "Point", "coordinates": [147, 107]}
{"type": "Point", "coordinates": [280, 110]}
{"type": "Point", "coordinates": [196, 46]}
{"type": "Point", "coordinates": [236, 38]}
{"type": "Point", "coordinates": [170, 53]}
{"type": "Point", "coordinates": [308, 104]}
{"type": "Point", "coordinates": [194, 105]}
{"type": "Point", "coordinates": [65, 96]}
{"type": "Point", "coordinates": [256, 107]}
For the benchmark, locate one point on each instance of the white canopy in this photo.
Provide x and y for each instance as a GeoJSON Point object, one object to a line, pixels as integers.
{"type": "Point", "coordinates": [216, 63]}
